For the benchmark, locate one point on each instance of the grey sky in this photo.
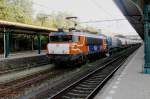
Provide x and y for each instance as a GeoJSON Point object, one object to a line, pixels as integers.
{"type": "Point", "coordinates": [88, 10]}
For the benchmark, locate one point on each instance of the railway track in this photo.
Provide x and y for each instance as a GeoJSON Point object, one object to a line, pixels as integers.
{"type": "Point", "coordinates": [7, 71]}
{"type": "Point", "coordinates": [88, 86]}
{"type": "Point", "coordinates": [12, 88]}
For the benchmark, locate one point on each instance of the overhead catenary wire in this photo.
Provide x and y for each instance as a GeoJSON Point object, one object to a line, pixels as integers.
{"type": "Point", "coordinates": [98, 21]}
{"type": "Point", "coordinates": [40, 5]}
{"type": "Point", "coordinates": [93, 1]}
{"type": "Point", "coordinates": [93, 21]}
{"type": "Point", "coordinates": [100, 7]}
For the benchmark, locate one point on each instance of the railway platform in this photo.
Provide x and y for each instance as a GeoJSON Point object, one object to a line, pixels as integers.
{"type": "Point", "coordinates": [22, 54]}
{"type": "Point", "coordinates": [129, 82]}
{"type": "Point", "coordinates": [23, 59]}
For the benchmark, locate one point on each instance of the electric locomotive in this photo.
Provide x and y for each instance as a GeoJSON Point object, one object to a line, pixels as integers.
{"type": "Point", "coordinates": [75, 47]}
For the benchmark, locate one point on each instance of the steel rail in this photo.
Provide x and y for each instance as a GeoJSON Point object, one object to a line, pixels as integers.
{"type": "Point", "coordinates": [70, 87]}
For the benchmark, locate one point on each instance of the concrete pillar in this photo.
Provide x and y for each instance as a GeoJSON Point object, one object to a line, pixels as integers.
{"type": "Point", "coordinates": [39, 43]}
{"type": "Point", "coordinates": [32, 40]}
{"type": "Point", "coordinates": [6, 43]}
{"type": "Point", "coordinates": [147, 38]}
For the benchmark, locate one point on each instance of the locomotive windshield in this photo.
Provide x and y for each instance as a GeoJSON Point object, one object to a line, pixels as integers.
{"type": "Point", "coordinates": [64, 38]}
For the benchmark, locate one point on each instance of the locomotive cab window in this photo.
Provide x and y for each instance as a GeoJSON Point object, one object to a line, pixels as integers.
{"type": "Point", "coordinates": [64, 38]}
{"type": "Point", "coordinates": [93, 41]}
{"type": "Point", "coordinates": [75, 38]}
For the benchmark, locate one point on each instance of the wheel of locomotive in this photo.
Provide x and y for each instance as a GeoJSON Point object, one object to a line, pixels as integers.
{"type": "Point", "coordinates": [50, 61]}
{"type": "Point", "coordinates": [61, 64]}
{"type": "Point", "coordinates": [81, 60]}
{"type": "Point", "coordinates": [57, 64]}
{"type": "Point", "coordinates": [85, 60]}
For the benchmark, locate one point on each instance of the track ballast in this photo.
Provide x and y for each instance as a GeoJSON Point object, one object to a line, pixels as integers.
{"type": "Point", "coordinates": [88, 86]}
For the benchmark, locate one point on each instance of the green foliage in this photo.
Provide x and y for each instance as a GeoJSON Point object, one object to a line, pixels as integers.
{"type": "Point", "coordinates": [90, 29]}
{"type": "Point", "coordinates": [16, 10]}
{"type": "Point", "coordinates": [54, 20]}
{"type": "Point", "coordinates": [5, 11]}
{"type": "Point", "coordinates": [21, 11]}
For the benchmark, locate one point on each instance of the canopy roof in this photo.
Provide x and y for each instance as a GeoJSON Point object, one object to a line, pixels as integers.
{"type": "Point", "coordinates": [133, 11]}
{"type": "Point", "coordinates": [19, 27]}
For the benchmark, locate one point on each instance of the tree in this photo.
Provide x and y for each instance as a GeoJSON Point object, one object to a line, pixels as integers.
{"type": "Point", "coordinates": [26, 5]}
{"type": "Point", "coordinates": [22, 10]}
{"type": "Point", "coordinates": [91, 29]}
{"type": "Point", "coordinates": [5, 11]}
{"type": "Point", "coordinates": [42, 19]}
{"type": "Point", "coordinates": [16, 10]}
{"type": "Point", "coordinates": [55, 20]}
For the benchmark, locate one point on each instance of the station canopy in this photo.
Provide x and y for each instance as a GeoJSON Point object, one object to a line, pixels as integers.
{"type": "Point", "coordinates": [24, 28]}
{"type": "Point", "coordinates": [133, 11]}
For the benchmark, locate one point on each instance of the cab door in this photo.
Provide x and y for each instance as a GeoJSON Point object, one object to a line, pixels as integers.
{"type": "Point", "coordinates": [84, 46]}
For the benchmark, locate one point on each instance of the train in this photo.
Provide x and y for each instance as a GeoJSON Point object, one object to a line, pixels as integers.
{"type": "Point", "coordinates": [80, 47]}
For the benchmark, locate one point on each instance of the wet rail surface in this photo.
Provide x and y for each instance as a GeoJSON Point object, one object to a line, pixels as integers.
{"type": "Point", "coordinates": [88, 86]}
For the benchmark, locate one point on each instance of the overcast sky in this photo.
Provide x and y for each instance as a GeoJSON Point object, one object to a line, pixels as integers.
{"type": "Point", "coordinates": [89, 10]}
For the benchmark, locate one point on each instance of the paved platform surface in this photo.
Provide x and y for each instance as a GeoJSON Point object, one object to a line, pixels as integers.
{"type": "Point", "coordinates": [129, 82]}
{"type": "Point", "coordinates": [22, 54]}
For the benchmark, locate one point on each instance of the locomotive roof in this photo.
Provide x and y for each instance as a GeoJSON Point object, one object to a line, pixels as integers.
{"type": "Point", "coordinates": [78, 34]}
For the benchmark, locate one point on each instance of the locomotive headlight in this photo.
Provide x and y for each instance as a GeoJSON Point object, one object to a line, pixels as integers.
{"type": "Point", "coordinates": [74, 46]}
{"type": "Point", "coordinates": [51, 51]}
{"type": "Point", "coordinates": [66, 52]}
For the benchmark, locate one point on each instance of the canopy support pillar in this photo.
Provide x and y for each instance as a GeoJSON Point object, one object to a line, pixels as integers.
{"type": "Point", "coordinates": [6, 43]}
{"type": "Point", "coordinates": [39, 43]}
{"type": "Point", "coordinates": [147, 38]}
